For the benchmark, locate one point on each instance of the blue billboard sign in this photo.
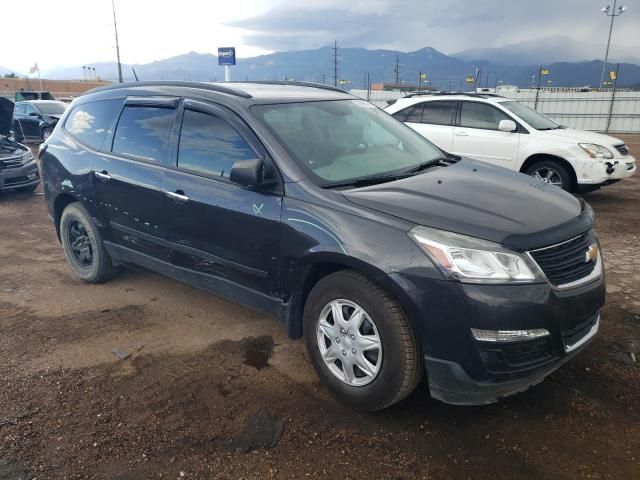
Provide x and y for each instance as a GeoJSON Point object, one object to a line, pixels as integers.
{"type": "Point", "coordinates": [226, 55]}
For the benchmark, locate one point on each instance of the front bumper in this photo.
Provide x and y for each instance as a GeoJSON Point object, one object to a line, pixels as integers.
{"type": "Point", "coordinates": [590, 171]}
{"type": "Point", "coordinates": [25, 175]}
{"type": "Point", "coordinates": [464, 371]}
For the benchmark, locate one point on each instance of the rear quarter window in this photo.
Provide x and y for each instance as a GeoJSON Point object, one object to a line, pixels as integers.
{"type": "Point", "coordinates": [91, 122]}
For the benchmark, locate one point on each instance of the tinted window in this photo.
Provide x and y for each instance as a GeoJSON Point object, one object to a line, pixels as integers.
{"type": "Point", "coordinates": [438, 113]}
{"type": "Point", "coordinates": [143, 132]}
{"type": "Point", "coordinates": [90, 122]}
{"type": "Point", "coordinates": [210, 145]}
{"type": "Point", "coordinates": [403, 114]}
{"type": "Point", "coordinates": [481, 115]}
{"type": "Point", "coordinates": [415, 116]}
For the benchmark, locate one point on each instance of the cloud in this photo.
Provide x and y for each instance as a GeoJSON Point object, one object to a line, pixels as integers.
{"type": "Point", "coordinates": [449, 26]}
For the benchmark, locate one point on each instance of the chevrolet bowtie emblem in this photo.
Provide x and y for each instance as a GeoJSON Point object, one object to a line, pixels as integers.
{"type": "Point", "coordinates": [591, 255]}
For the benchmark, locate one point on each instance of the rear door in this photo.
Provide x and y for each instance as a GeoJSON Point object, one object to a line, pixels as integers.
{"type": "Point", "coordinates": [433, 120]}
{"type": "Point", "coordinates": [217, 227]}
{"type": "Point", "coordinates": [129, 176]}
{"type": "Point", "coordinates": [477, 135]}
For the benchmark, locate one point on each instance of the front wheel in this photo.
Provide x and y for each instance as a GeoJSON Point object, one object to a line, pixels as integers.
{"type": "Point", "coordinates": [360, 342]}
{"type": "Point", "coordinates": [551, 173]}
{"type": "Point", "coordinates": [83, 245]}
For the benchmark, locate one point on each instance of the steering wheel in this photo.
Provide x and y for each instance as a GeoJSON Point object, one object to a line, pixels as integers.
{"type": "Point", "coordinates": [359, 148]}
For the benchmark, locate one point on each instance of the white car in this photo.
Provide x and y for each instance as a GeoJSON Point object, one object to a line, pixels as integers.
{"type": "Point", "coordinates": [507, 133]}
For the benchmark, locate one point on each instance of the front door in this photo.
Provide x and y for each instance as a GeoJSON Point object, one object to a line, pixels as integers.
{"type": "Point", "coordinates": [219, 228]}
{"type": "Point", "coordinates": [130, 200]}
{"type": "Point", "coordinates": [478, 135]}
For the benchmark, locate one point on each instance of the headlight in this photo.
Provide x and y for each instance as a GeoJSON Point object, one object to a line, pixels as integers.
{"type": "Point", "coordinates": [596, 151]}
{"type": "Point", "coordinates": [470, 259]}
{"type": "Point", "coordinates": [27, 157]}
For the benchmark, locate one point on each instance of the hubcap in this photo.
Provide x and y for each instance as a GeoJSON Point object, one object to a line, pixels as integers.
{"type": "Point", "coordinates": [349, 342]}
{"type": "Point", "coordinates": [80, 244]}
{"type": "Point", "coordinates": [548, 175]}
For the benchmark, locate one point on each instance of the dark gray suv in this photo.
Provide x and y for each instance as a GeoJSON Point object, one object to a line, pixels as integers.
{"type": "Point", "coordinates": [391, 257]}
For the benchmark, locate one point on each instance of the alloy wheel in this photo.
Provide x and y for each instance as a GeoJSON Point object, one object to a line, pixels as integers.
{"type": "Point", "coordinates": [80, 244]}
{"type": "Point", "coordinates": [349, 342]}
{"type": "Point", "coordinates": [548, 175]}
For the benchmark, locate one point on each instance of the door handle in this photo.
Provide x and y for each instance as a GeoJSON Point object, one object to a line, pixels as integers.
{"type": "Point", "coordinates": [462, 134]}
{"type": "Point", "coordinates": [103, 176]}
{"type": "Point", "coordinates": [178, 196]}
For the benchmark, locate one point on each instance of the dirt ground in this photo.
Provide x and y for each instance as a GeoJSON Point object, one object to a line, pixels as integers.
{"type": "Point", "coordinates": [209, 389]}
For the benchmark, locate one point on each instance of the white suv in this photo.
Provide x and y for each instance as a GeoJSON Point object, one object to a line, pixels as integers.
{"type": "Point", "coordinates": [507, 133]}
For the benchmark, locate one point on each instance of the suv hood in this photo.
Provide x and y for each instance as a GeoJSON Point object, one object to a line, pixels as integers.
{"type": "Point", "coordinates": [581, 136]}
{"type": "Point", "coordinates": [6, 115]}
{"type": "Point", "coordinates": [483, 201]}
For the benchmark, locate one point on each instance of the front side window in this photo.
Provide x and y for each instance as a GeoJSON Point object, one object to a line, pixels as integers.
{"type": "Point", "coordinates": [143, 132]}
{"type": "Point", "coordinates": [481, 115]}
{"type": "Point", "coordinates": [30, 109]}
{"type": "Point", "coordinates": [19, 108]}
{"type": "Point", "coordinates": [90, 122]}
{"type": "Point", "coordinates": [534, 118]}
{"type": "Point", "coordinates": [209, 145]}
{"type": "Point", "coordinates": [345, 140]}
{"type": "Point", "coordinates": [438, 113]}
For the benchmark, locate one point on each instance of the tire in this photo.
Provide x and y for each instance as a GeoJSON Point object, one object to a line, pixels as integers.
{"type": "Point", "coordinates": [99, 268]}
{"type": "Point", "coordinates": [29, 189]}
{"type": "Point", "coordinates": [550, 171]}
{"type": "Point", "coordinates": [46, 132]}
{"type": "Point", "coordinates": [398, 361]}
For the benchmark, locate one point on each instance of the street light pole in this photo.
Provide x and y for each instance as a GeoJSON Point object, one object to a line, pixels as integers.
{"type": "Point", "coordinates": [613, 13]}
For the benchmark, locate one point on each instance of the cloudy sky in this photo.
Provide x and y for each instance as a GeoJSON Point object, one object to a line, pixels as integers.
{"type": "Point", "coordinates": [73, 32]}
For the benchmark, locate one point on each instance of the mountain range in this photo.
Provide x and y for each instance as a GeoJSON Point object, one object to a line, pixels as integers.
{"type": "Point", "coordinates": [512, 65]}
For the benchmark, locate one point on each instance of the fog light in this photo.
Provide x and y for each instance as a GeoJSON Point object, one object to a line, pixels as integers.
{"type": "Point", "coordinates": [508, 335]}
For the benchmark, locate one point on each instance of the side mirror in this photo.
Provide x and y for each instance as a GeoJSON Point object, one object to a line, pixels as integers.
{"type": "Point", "coordinates": [247, 172]}
{"type": "Point", "coordinates": [507, 126]}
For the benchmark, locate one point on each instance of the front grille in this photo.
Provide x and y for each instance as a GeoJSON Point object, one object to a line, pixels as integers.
{"type": "Point", "coordinates": [566, 262]}
{"type": "Point", "coordinates": [622, 148]}
{"type": "Point", "coordinates": [573, 335]}
{"type": "Point", "coordinates": [12, 162]}
{"type": "Point", "coordinates": [15, 181]}
{"type": "Point", "coordinates": [507, 357]}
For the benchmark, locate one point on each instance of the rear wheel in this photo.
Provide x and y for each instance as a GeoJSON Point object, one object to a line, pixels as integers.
{"type": "Point", "coordinates": [551, 173]}
{"type": "Point", "coordinates": [83, 245]}
{"type": "Point", "coordinates": [360, 342]}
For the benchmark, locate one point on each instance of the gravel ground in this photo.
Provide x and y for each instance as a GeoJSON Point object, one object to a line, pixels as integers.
{"type": "Point", "coordinates": [144, 377]}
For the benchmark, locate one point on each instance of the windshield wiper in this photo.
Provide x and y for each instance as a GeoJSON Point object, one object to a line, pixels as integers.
{"type": "Point", "coordinates": [433, 162]}
{"type": "Point", "coordinates": [365, 181]}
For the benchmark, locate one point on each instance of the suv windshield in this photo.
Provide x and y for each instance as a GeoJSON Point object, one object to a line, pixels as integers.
{"type": "Point", "coordinates": [345, 141]}
{"type": "Point", "coordinates": [52, 108]}
{"type": "Point", "coordinates": [534, 118]}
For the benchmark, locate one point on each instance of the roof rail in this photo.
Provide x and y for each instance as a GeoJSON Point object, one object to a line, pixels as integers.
{"type": "Point", "coordinates": [296, 83]}
{"type": "Point", "coordinates": [465, 94]}
{"type": "Point", "coordinates": [175, 83]}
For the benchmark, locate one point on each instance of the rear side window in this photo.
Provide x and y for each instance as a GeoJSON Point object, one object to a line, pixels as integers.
{"type": "Point", "coordinates": [210, 145]}
{"type": "Point", "coordinates": [90, 122]}
{"type": "Point", "coordinates": [438, 113]}
{"type": "Point", "coordinates": [143, 132]}
{"type": "Point", "coordinates": [480, 115]}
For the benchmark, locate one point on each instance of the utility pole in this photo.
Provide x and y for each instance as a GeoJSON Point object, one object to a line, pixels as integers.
{"type": "Point", "coordinates": [115, 27]}
{"type": "Point", "coordinates": [397, 69]}
{"type": "Point", "coordinates": [335, 63]}
{"type": "Point", "coordinates": [613, 13]}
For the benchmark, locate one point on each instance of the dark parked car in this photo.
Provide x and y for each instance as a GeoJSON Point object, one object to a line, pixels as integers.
{"type": "Point", "coordinates": [18, 169]}
{"type": "Point", "coordinates": [34, 120]}
{"type": "Point", "coordinates": [391, 257]}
